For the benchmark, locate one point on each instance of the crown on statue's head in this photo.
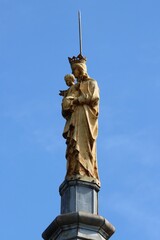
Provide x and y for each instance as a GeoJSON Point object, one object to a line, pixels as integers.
{"type": "Point", "coordinates": [78, 59]}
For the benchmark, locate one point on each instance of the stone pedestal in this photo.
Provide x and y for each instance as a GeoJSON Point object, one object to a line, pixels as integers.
{"type": "Point", "coordinates": [79, 226]}
{"type": "Point", "coordinates": [79, 219]}
{"type": "Point", "coordinates": [77, 195]}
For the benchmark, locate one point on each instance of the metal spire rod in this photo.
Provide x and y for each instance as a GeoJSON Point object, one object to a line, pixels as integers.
{"type": "Point", "coordinates": [80, 32]}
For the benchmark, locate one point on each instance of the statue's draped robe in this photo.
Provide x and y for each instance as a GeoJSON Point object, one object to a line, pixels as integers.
{"type": "Point", "coordinates": [81, 128]}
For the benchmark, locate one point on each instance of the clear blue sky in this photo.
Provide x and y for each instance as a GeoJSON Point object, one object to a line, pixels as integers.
{"type": "Point", "coordinates": [121, 40]}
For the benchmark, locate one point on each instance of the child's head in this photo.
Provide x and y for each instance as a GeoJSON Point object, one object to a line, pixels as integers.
{"type": "Point", "coordinates": [69, 79]}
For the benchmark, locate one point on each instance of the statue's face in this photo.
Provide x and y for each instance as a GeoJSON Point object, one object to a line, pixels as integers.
{"type": "Point", "coordinates": [69, 81]}
{"type": "Point", "coordinates": [76, 72]}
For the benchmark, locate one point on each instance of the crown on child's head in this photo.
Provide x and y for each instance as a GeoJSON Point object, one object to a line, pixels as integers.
{"type": "Point", "coordinates": [78, 59]}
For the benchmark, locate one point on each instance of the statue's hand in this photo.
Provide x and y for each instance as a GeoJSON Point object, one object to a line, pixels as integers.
{"type": "Point", "coordinates": [61, 92]}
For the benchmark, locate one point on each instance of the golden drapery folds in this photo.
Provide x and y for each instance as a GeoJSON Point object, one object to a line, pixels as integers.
{"type": "Point", "coordinates": [80, 108]}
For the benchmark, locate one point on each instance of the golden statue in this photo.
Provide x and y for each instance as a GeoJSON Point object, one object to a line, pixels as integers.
{"type": "Point", "coordinates": [80, 107]}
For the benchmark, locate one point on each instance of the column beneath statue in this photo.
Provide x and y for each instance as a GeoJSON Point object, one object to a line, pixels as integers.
{"type": "Point", "coordinates": [77, 195]}
{"type": "Point", "coordinates": [79, 217]}
{"type": "Point", "coordinates": [79, 226]}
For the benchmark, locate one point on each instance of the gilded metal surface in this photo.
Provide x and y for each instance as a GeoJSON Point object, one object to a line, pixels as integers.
{"type": "Point", "coordinates": [80, 108]}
